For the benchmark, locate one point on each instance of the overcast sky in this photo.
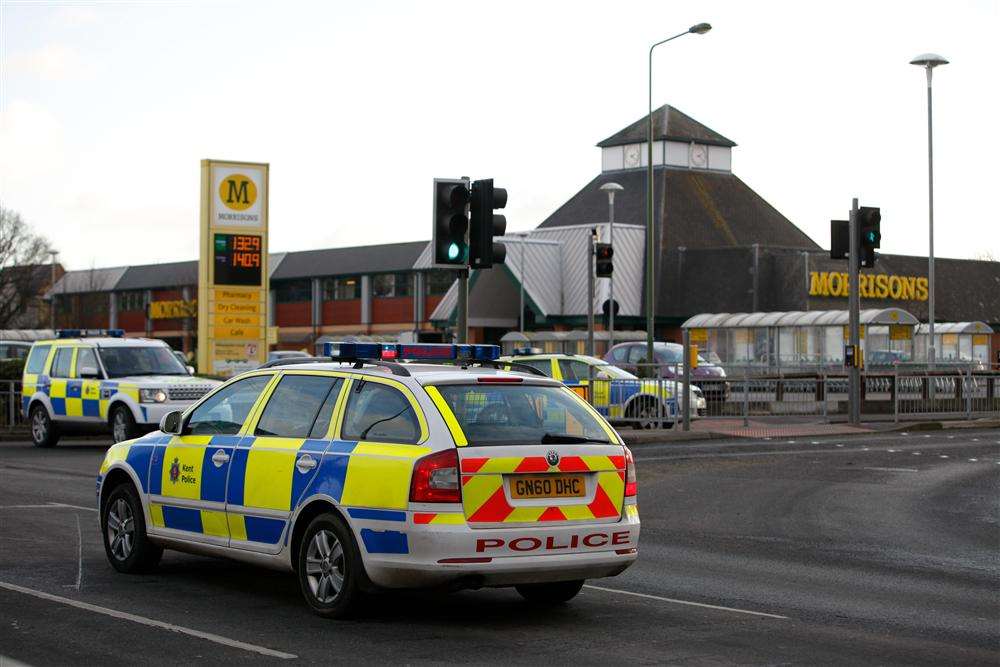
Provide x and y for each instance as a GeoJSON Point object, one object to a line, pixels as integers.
{"type": "Point", "coordinates": [107, 108]}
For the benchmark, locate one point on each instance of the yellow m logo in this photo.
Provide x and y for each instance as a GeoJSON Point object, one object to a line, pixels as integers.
{"type": "Point", "coordinates": [238, 192]}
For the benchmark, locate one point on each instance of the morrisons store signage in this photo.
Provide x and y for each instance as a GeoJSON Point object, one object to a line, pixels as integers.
{"type": "Point", "coordinates": [873, 286]}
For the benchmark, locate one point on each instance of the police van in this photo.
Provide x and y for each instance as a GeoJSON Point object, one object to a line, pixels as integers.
{"type": "Point", "coordinates": [98, 380]}
{"type": "Point", "coordinates": [382, 466]}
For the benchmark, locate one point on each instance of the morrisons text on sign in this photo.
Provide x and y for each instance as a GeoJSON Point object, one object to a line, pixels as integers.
{"type": "Point", "coordinates": [874, 286]}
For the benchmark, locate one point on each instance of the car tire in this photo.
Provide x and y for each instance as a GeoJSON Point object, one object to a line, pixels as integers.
{"type": "Point", "coordinates": [329, 567]}
{"type": "Point", "coordinates": [122, 424]}
{"type": "Point", "coordinates": [123, 526]}
{"type": "Point", "coordinates": [644, 413]}
{"type": "Point", "coordinates": [555, 592]}
{"type": "Point", "coordinates": [44, 431]}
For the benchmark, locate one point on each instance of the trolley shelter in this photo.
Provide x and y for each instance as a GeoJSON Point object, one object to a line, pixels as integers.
{"type": "Point", "coordinates": [955, 342]}
{"type": "Point", "coordinates": [801, 340]}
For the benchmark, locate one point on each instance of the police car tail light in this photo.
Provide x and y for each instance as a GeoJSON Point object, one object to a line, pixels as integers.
{"type": "Point", "coordinates": [631, 485]}
{"type": "Point", "coordinates": [435, 479]}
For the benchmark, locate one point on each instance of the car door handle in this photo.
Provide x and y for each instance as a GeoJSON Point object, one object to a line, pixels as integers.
{"type": "Point", "coordinates": [305, 463]}
{"type": "Point", "coordinates": [219, 458]}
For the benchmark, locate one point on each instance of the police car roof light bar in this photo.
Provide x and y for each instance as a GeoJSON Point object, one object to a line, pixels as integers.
{"type": "Point", "coordinates": [90, 333]}
{"type": "Point", "coordinates": [411, 351]}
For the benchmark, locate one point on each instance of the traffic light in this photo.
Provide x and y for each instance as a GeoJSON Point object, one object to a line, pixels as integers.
{"type": "Point", "coordinates": [870, 235]}
{"type": "Point", "coordinates": [451, 222]}
{"type": "Point", "coordinates": [604, 252]}
{"type": "Point", "coordinates": [483, 251]}
{"type": "Point", "coordinates": [840, 239]}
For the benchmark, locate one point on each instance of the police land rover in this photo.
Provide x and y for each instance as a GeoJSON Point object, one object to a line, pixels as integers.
{"type": "Point", "coordinates": [93, 380]}
{"type": "Point", "coordinates": [382, 466]}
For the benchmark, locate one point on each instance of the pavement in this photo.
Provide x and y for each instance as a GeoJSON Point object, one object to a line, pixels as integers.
{"type": "Point", "coordinates": [875, 548]}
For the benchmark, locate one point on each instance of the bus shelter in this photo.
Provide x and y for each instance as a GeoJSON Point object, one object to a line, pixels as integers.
{"type": "Point", "coordinates": [775, 342]}
{"type": "Point", "coordinates": [955, 342]}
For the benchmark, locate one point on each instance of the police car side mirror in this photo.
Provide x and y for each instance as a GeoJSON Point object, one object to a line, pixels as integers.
{"type": "Point", "coordinates": [171, 423]}
{"type": "Point", "coordinates": [190, 370]}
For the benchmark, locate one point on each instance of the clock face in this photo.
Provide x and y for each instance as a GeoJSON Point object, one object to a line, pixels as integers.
{"type": "Point", "coordinates": [699, 158]}
{"type": "Point", "coordinates": [632, 156]}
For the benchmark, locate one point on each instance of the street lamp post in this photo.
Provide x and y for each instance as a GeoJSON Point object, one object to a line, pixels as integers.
{"type": "Point", "coordinates": [611, 189]}
{"type": "Point", "coordinates": [929, 61]}
{"type": "Point", "coordinates": [52, 291]}
{"type": "Point", "coordinates": [698, 29]}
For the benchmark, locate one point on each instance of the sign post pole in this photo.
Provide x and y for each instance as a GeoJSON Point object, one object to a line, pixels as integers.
{"type": "Point", "coordinates": [463, 306]}
{"type": "Point", "coordinates": [590, 291]}
{"type": "Point", "coordinates": [854, 317]}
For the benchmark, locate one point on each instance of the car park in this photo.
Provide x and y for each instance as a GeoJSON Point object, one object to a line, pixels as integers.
{"type": "Point", "coordinates": [374, 468]}
{"type": "Point", "coordinates": [618, 395]}
{"type": "Point", "coordinates": [631, 356]}
{"type": "Point", "coordinates": [14, 349]}
{"type": "Point", "coordinates": [91, 381]}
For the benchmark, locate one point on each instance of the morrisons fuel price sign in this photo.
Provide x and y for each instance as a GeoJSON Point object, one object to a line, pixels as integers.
{"type": "Point", "coordinates": [232, 268]}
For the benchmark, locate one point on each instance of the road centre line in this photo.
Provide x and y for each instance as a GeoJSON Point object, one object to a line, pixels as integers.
{"type": "Point", "coordinates": [893, 469]}
{"type": "Point", "coordinates": [685, 602]}
{"type": "Point", "coordinates": [142, 620]}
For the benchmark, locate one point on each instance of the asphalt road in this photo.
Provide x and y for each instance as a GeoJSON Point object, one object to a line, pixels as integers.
{"type": "Point", "coordinates": [877, 549]}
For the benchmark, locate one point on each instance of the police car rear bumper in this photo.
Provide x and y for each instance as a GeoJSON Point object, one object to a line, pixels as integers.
{"type": "Point", "coordinates": [456, 555]}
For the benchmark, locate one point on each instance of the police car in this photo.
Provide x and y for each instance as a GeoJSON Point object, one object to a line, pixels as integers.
{"type": "Point", "coordinates": [387, 472]}
{"type": "Point", "coordinates": [618, 395]}
{"type": "Point", "coordinates": [87, 380]}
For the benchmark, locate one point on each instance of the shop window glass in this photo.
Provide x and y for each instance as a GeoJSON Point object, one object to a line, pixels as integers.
{"type": "Point", "coordinates": [342, 289]}
{"type": "Point", "coordinates": [437, 283]}
{"type": "Point", "coordinates": [293, 291]}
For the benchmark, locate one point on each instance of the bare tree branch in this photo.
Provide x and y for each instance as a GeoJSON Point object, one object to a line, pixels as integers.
{"type": "Point", "coordinates": [24, 271]}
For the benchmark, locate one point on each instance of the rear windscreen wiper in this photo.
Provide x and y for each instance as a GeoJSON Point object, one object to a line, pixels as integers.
{"type": "Point", "coordinates": [566, 438]}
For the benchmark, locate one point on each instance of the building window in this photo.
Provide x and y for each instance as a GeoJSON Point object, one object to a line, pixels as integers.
{"type": "Point", "coordinates": [293, 291]}
{"type": "Point", "coordinates": [131, 301]}
{"type": "Point", "coordinates": [341, 289]}
{"type": "Point", "coordinates": [437, 283]}
{"type": "Point", "coordinates": [392, 284]}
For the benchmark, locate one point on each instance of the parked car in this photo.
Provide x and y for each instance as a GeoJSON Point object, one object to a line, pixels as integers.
{"type": "Point", "coordinates": [670, 359]}
{"type": "Point", "coordinates": [621, 397]}
{"type": "Point", "coordinates": [284, 355]}
{"type": "Point", "coordinates": [14, 349]}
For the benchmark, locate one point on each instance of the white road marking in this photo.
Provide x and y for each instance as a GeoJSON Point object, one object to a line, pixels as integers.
{"type": "Point", "coordinates": [893, 469]}
{"type": "Point", "coordinates": [864, 449]}
{"type": "Point", "coordinates": [47, 506]}
{"type": "Point", "coordinates": [814, 442]}
{"type": "Point", "coordinates": [686, 602]}
{"type": "Point", "coordinates": [943, 456]}
{"type": "Point", "coordinates": [916, 453]}
{"type": "Point", "coordinates": [927, 436]}
{"type": "Point", "coordinates": [893, 451]}
{"type": "Point", "coordinates": [904, 433]}
{"type": "Point", "coordinates": [840, 445]}
{"type": "Point", "coordinates": [79, 553]}
{"type": "Point", "coordinates": [973, 460]}
{"type": "Point", "coordinates": [142, 620]}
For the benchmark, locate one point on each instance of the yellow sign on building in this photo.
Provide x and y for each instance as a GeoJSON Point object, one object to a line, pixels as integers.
{"type": "Point", "coordinates": [872, 286]}
{"type": "Point", "coordinates": [167, 310]}
{"type": "Point", "coordinates": [232, 269]}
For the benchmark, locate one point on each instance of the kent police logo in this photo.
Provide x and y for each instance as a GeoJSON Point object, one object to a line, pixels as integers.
{"type": "Point", "coordinates": [552, 457]}
{"type": "Point", "coordinates": [238, 192]}
{"type": "Point", "coordinates": [175, 470]}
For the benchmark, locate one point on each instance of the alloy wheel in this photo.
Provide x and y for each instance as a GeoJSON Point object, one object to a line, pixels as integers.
{"type": "Point", "coordinates": [39, 427]}
{"type": "Point", "coordinates": [325, 566]}
{"type": "Point", "coordinates": [121, 529]}
{"type": "Point", "coordinates": [119, 427]}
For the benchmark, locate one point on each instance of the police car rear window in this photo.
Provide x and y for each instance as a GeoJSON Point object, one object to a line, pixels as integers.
{"type": "Point", "coordinates": [36, 360]}
{"type": "Point", "coordinates": [521, 415]}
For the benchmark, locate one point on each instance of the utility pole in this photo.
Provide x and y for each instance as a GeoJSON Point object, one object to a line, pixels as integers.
{"type": "Point", "coordinates": [463, 306]}
{"type": "Point", "coordinates": [590, 290]}
{"type": "Point", "coordinates": [854, 316]}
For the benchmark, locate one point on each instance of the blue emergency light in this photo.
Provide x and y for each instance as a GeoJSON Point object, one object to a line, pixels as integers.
{"type": "Point", "coordinates": [90, 333]}
{"type": "Point", "coordinates": [412, 351]}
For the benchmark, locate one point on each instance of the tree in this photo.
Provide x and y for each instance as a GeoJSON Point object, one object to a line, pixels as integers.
{"type": "Point", "coordinates": [24, 268]}
{"type": "Point", "coordinates": [985, 256]}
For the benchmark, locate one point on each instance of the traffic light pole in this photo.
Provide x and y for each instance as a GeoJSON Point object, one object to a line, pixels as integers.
{"type": "Point", "coordinates": [463, 306]}
{"type": "Point", "coordinates": [854, 316]}
{"type": "Point", "coordinates": [590, 291]}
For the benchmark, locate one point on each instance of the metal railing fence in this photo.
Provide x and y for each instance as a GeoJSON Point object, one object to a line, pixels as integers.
{"type": "Point", "coordinates": [657, 398]}
{"type": "Point", "coordinates": [10, 405]}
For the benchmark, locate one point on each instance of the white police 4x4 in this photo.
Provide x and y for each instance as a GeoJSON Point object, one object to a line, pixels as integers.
{"type": "Point", "coordinates": [382, 474]}
{"type": "Point", "coordinates": [82, 383]}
